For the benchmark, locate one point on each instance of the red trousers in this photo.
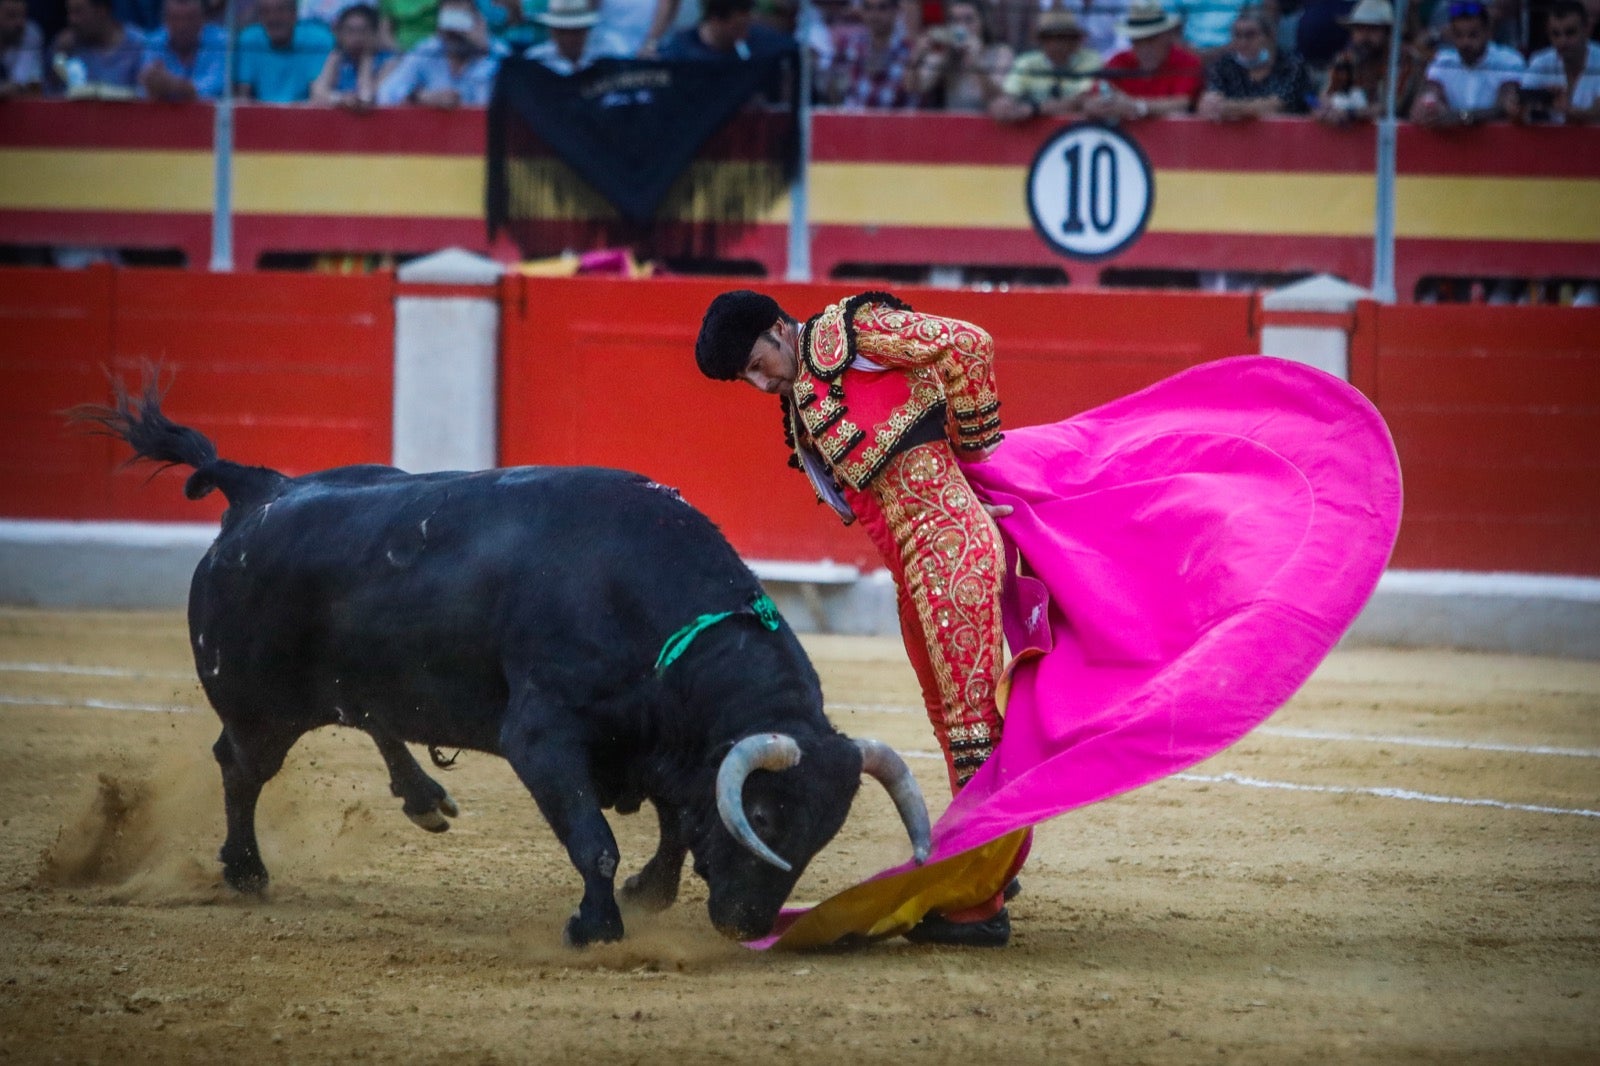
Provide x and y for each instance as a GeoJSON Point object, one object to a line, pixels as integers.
{"type": "Point", "coordinates": [948, 565]}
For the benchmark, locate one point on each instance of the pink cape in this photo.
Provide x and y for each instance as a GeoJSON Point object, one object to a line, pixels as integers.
{"type": "Point", "coordinates": [1189, 554]}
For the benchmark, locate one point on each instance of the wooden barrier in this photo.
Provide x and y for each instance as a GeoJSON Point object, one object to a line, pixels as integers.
{"type": "Point", "coordinates": [291, 371]}
{"type": "Point", "coordinates": [1495, 411]}
{"type": "Point", "coordinates": [602, 372]}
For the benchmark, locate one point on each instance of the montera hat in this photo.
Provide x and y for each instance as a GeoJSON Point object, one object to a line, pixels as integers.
{"type": "Point", "coordinates": [1057, 23]}
{"type": "Point", "coordinates": [733, 323]}
{"type": "Point", "coordinates": [568, 15]}
{"type": "Point", "coordinates": [1370, 13]}
{"type": "Point", "coordinates": [1146, 20]}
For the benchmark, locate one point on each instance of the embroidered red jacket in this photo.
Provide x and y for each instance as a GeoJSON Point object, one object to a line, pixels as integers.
{"type": "Point", "coordinates": [938, 378]}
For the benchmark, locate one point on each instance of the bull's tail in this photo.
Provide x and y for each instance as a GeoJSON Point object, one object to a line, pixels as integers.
{"type": "Point", "coordinates": [155, 437]}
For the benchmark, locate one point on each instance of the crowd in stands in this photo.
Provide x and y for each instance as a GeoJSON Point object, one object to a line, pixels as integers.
{"type": "Point", "coordinates": [1461, 61]}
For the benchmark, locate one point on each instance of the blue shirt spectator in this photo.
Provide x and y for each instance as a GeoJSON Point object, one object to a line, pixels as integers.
{"type": "Point", "coordinates": [279, 57]}
{"type": "Point", "coordinates": [453, 68]}
{"type": "Point", "coordinates": [726, 30]}
{"type": "Point", "coordinates": [21, 50]}
{"type": "Point", "coordinates": [185, 58]}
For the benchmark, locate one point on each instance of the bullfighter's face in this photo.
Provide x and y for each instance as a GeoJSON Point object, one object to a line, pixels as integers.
{"type": "Point", "coordinates": [774, 359]}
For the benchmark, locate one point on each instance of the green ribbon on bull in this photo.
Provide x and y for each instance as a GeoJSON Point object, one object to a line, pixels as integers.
{"type": "Point", "coordinates": [761, 606]}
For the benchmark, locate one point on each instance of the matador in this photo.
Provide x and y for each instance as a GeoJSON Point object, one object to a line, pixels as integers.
{"type": "Point", "coordinates": [881, 405]}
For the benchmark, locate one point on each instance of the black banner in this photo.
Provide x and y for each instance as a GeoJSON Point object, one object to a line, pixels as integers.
{"type": "Point", "coordinates": [666, 157]}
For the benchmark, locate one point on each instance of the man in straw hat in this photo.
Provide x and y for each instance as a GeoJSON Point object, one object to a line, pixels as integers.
{"type": "Point", "coordinates": [1357, 80]}
{"type": "Point", "coordinates": [1155, 75]}
{"type": "Point", "coordinates": [1054, 79]}
{"type": "Point", "coordinates": [572, 44]}
{"type": "Point", "coordinates": [882, 406]}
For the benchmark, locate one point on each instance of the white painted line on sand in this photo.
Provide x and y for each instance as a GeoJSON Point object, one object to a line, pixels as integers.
{"type": "Point", "coordinates": [91, 704]}
{"type": "Point", "coordinates": [1430, 742]}
{"type": "Point", "coordinates": [1318, 734]}
{"type": "Point", "coordinates": [74, 670]}
{"type": "Point", "coordinates": [1383, 793]}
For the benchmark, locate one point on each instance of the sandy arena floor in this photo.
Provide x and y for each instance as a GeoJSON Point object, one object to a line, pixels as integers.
{"type": "Point", "coordinates": [1403, 865]}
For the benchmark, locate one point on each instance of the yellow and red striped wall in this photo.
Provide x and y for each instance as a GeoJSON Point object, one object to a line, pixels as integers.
{"type": "Point", "coordinates": [907, 188]}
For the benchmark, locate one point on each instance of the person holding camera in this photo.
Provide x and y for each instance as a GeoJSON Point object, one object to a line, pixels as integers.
{"type": "Point", "coordinates": [1563, 81]}
{"type": "Point", "coordinates": [959, 66]}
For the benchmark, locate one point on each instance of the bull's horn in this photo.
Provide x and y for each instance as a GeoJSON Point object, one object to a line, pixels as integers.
{"type": "Point", "coordinates": [765, 751]}
{"type": "Point", "coordinates": [891, 771]}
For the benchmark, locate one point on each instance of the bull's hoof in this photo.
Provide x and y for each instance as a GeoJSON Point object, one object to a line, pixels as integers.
{"type": "Point", "coordinates": [434, 817]}
{"type": "Point", "coordinates": [580, 933]}
{"type": "Point", "coordinates": [648, 895]}
{"type": "Point", "coordinates": [246, 880]}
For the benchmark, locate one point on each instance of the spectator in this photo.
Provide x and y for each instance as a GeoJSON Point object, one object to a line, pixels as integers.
{"type": "Point", "coordinates": [453, 68]}
{"type": "Point", "coordinates": [727, 30]}
{"type": "Point", "coordinates": [1567, 74]}
{"type": "Point", "coordinates": [1155, 76]}
{"type": "Point", "coordinates": [1253, 79]}
{"type": "Point", "coordinates": [1054, 79]}
{"type": "Point", "coordinates": [21, 50]}
{"type": "Point", "coordinates": [404, 24]}
{"type": "Point", "coordinates": [96, 55]}
{"type": "Point", "coordinates": [1472, 81]}
{"type": "Point", "coordinates": [1102, 23]}
{"type": "Point", "coordinates": [351, 74]}
{"type": "Point", "coordinates": [1359, 77]}
{"type": "Point", "coordinates": [572, 46]}
{"type": "Point", "coordinates": [871, 71]}
{"type": "Point", "coordinates": [184, 60]}
{"type": "Point", "coordinates": [1207, 25]}
{"type": "Point", "coordinates": [960, 66]}
{"type": "Point", "coordinates": [841, 20]}
{"type": "Point", "coordinates": [141, 15]}
{"type": "Point", "coordinates": [281, 55]}
{"type": "Point", "coordinates": [1322, 32]}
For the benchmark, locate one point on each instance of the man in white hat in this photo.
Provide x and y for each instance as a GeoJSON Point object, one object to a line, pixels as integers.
{"type": "Point", "coordinates": [573, 43]}
{"type": "Point", "coordinates": [1357, 80]}
{"type": "Point", "coordinates": [1155, 75]}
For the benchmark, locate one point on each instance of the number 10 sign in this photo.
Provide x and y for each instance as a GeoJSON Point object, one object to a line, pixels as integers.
{"type": "Point", "coordinates": [1089, 191]}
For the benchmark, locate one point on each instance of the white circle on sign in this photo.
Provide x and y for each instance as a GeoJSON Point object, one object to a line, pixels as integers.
{"type": "Point", "coordinates": [1090, 191]}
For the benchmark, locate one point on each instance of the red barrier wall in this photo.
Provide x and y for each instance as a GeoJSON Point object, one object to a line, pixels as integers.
{"type": "Point", "coordinates": [1495, 413]}
{"type": "Point", "coordinates": [602, 372]}
{"type": "Point", "coordinates": [291, 371]}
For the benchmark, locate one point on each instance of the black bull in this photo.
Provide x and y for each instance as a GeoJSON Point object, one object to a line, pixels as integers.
{"type": "Point", "coordinates": [519, 612]}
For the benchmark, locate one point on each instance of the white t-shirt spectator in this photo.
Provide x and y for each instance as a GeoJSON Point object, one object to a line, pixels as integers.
{"type": "Point", "coordinates": [1475, 88]}
{"type": "Point", "coordinates": [1546, 72]}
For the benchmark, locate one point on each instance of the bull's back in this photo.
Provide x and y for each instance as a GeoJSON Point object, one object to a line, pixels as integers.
{"type": "Point", "coordinates": [438, 591]}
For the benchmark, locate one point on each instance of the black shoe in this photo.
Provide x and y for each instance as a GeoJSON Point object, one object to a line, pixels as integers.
{"type": "Point", "coordinates": [1013, 889]}
{"type": "Point", "coordinates": [937, 929]}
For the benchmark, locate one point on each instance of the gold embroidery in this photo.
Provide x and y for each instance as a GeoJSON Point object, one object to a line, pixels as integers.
{"type": "Point", "coordinates": [952, 563]}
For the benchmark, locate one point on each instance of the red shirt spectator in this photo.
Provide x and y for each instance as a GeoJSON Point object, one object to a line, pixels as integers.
{"type": "Point", "coordinates": [1155, 75]}
{"type": "Point", "coordinates": [1180, 74]}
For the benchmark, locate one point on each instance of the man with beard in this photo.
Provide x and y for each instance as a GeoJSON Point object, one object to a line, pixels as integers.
{"type": "Point", "coordinates": [1473, 81]}
{"type": "Point", "coordinates": [1568, 72]}
{"type": "Point", "coordinates": [280, 56]}
{"type": "Point", "coordinates": [453, 68]}
{"type": "Point", "coordinates": [1356, 83]}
